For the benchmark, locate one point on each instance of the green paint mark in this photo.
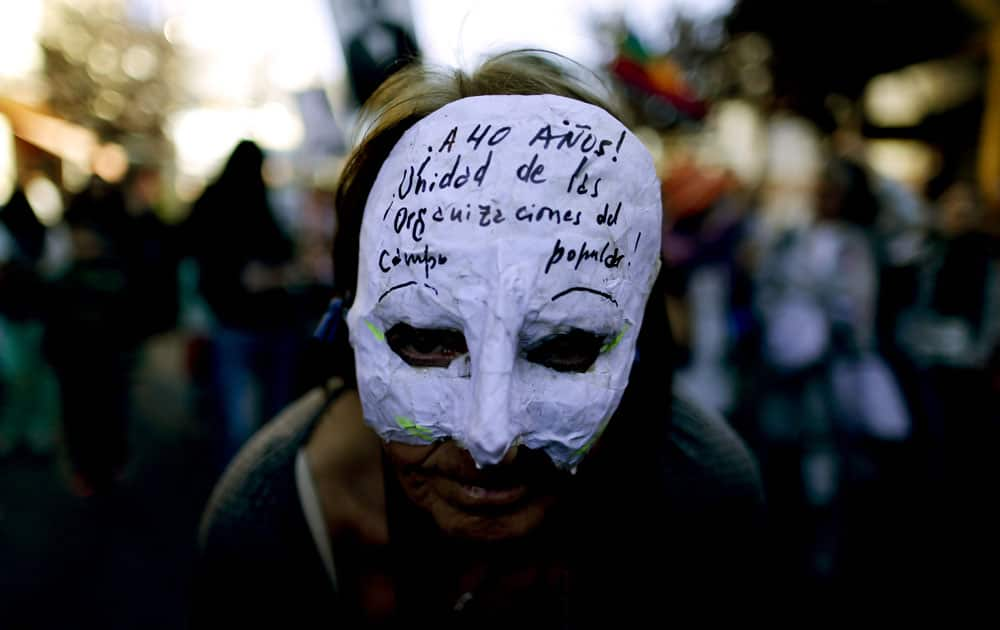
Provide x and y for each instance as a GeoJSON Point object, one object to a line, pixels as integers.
{"type": "Point", "coordinates": [614, 342]}
{"type": "Point", "coordinates": [580, 452]}
{"type": "Point", "coordinates": [583, 450]}
{"type": "Point", "coordinates": [375, 331]}
{"type": "Point", "coordinates": [414, 429]}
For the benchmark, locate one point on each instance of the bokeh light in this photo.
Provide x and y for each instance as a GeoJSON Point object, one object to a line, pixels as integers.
{"type": "Point", "coordinates": [110, 162]}
{"type": "Point", "coordinates": [8, 161]}
{"type": "Point", "coordinates": [45, 199]}
{"type": "Point", "coordinates": [20, 25]}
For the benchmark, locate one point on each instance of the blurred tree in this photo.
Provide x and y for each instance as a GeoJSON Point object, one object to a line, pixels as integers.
{"type": "Point", "coordinates": [109, 75]}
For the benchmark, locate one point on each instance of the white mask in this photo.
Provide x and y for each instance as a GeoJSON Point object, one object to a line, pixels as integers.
{"type": "Point", "coordinates": [510, 219]}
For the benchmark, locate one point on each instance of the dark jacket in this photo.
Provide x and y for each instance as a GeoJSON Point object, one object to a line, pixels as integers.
{"type": "Point", "coordinates": [258, 563]}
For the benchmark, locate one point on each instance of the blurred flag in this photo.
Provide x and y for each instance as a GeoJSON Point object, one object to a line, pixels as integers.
{"type": "Point", "coordinates": [660, 78]}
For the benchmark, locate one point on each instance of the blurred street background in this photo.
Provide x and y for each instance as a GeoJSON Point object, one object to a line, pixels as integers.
{"type": "Point", "coordinates": [831, 196]}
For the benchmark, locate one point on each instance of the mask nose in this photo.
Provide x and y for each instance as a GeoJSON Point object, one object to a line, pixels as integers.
{"type": "Point", "coordinates": [491, 433]}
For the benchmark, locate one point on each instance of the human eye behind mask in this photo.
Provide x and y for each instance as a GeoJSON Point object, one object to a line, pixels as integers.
{"type": "Point", "coordinates": [426, 347]}
{"type": "Point", "coordinates": [574, 350]}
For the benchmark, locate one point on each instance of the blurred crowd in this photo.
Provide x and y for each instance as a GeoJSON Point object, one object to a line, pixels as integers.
{"type": "Point", "coordinates": [854, 341]}
{"type": "Point", "coordinates": [81, 302]}
{"type": "Point", "coordinates": [850, 331]}
{"type": "Point", "coordinates": [846, 324]}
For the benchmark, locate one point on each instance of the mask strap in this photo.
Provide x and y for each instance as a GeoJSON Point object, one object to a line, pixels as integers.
{"type": "Point", "coordinates": [326, 332]}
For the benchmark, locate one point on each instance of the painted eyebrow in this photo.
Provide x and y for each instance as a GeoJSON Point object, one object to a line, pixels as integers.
{"type": "Point", "coordinates": [404, 285]}
{"type": "Point", "coordinates": [606, 296]}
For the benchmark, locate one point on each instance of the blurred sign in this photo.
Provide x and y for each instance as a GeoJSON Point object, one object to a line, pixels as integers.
{"type": "Point", "coordinates": [377, 36]}
{"type": "Point", "coordinates": [323, 136]}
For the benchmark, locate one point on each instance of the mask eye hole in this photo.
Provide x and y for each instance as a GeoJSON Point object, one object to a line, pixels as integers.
{"type": "Point", "coordinates": [426, 347]}
{"type": "Point", "coordinates": [572, 351]}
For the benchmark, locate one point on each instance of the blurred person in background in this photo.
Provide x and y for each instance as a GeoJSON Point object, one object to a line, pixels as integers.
{"type": "Point", "coordinates": [707, 287]}
{"type": "Point", "coordinates": [420, 485]}
{"type": "Point", "coordinates": [153, 254]}
{"type": "Point", "coordinates": [90, 337]}
{"type": "Point", "coordinates": [29, 395]}
{"type": "Point", "coordinates": [246, 267]}
{"type": "Point", "coordinates": [949, 335]}
{"type": "Point", "coordinates": [956, 320]}
{"type": "Point", "coordinates": [827, 394]}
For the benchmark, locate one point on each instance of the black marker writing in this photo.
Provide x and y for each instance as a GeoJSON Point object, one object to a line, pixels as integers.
{"type": "Point", "coordinates": [398, 286]}
{"type": "Point", "coordinates": [425, 258]}
{"type": "Point", "coordinates": [583, 253]}
{"type": "Point", "coordinates": [531, 171]}
{"type": "Point", "coordinates": [606, 296]}
{"type": "Point", "coordinates": [485, 218]}
{"type": "Point", "coordinates": [406, 184]}
{"type": "Point", "coordinates": [579, 136]}
{"type": "Point", "coordinates": [414, 181]}
{"type": "Point", "coordinates": [547, 214]}
{"type": "Point", "coordinates": [449, 178]}
{"type": "Point", "coordinates": [583, 188]}
{"type": "Point", "coordinates": [606, 217]}
{"type": "Point", "coordinates": [410, 220]}
{"type": "Point", "coordinates": [476, 137]}
{"type": "Point", "coordinates": [454, 215]}
{"type": "Point", "coordinates": [449, 140]}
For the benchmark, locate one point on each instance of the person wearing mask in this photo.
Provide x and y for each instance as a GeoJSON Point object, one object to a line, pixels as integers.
{"type": "Point", "coordinates": [501, 444]}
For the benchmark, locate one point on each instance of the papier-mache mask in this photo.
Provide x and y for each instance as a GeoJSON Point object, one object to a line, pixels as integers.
{"type": "Point", "coordinates": [530, 226]}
